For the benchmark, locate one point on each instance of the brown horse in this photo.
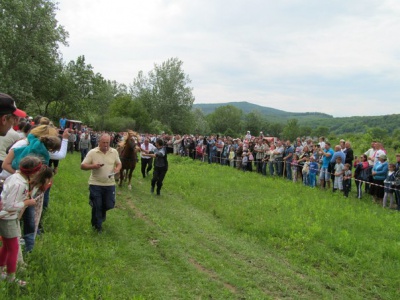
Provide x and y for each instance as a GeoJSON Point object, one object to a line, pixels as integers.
{"type": "Point", "coordinates": [127, 150]}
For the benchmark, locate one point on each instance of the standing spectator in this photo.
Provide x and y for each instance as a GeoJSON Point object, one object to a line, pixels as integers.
{"type": "Point", "coordinates": [102, 161]}
{"type": "Point", "coordinates": [294, 166]}
{"type": "Point", "coordinates": [370, 153]}
{"type": "Point", "coordinates": [63, 122]}
{"type": "Point", "coordinates": [8, 113]}
{"type": "Point", "coordinates": [361, 173]}
{"type": "Point", "coordinates": [84, 145]}
{"type": "Point", "coordinates": [78, 141]}
{"type": "Point", "coordinates": [278, 155]}
{"type": "Point", "coordinates": [324, 175]}
{"type": "Point", "coordinates": [288, 157]}
{"type": "Point", "coordinates": [348, 151]}
{"type": "Point", "coordinates": [6, 141]}
{"type": "Point", "coordinates": [71, 142]}
{"type": "Point", "coordinates": [379, 173]}
{"type": "Point", "coordinates": [397, 181]}
{"type": "Point", "coordinates": [389, 185]}
{"type": "Point", "coordinates": [93, 139]}
{"type": "Point", "coordinates": [312, 173]}
{"type": "Point", "coordinates": [346, 179]}
{"type": "Point", "coordinates": [338, 181]}
{"type": "Point", "coordinates": [259, 151]}
{"type": "Point", "coordinates": [146, 161]}
{"type": "Point", "coordinates": [17, 194]}
{"type": "Point", "coordinates": [245, 161]}
{"type": "Point", "coordinates": [306, 169]}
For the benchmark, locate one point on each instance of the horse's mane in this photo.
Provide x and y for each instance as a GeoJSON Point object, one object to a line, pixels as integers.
{"type": "Point", "coordinates": [127, 136]}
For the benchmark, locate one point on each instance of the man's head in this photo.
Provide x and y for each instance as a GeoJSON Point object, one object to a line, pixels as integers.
{"type": "Point", "coordinates": [9, 114]}
{"type": "Point", "coordinates": [104, 142]}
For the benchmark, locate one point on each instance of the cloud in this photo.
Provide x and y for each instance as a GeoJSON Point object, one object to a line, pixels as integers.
{"type": "Point", "coordinates": [290, 54]}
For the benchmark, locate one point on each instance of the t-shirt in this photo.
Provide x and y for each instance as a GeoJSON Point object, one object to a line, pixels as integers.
{"type": "Point", "coordinates": [339, 169]}
{"type": "Point", "coordinates": [327, 159]}
{"type": "Point", "coordinates": [101, 176]}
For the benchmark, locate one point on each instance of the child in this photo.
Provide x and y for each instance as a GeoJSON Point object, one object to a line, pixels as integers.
{"type": "Point", "coordinates": [388, 183]}
{"type": "Point", "coordinates": [312, 173]}
{"type": "Point", "coordinates": [338, 183]}
{"type": "Point", "coordinates": [16, 195]}
{"type": "Point", "coordinates": [346, 179]}
{"type": "Point", "coordinates": [245, 160]}
{"type": "Point", "coordinates": [232, 155]}
{"type": "Point", "coordinates": [306, 170]}
{"type": "Point", "coordinates": [294, 163]}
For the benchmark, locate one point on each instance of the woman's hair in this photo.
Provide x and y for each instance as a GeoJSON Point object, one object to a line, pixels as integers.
{"type": "Point", "coordinates": [44, 121]}
{"type": "Point", "coordinates": [27, 128]}
{"type": "Point", "coordinates": [45, 173]}
{"type": "Point", "coordinates": [52, 143]}
{"type": "Point", "coordinates": [43, 130]}
{"type": "Point", "coordinates": [30, 165]}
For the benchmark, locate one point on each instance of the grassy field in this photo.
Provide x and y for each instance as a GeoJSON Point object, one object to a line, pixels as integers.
{"type": "Point", "coordinates": [214, 233]}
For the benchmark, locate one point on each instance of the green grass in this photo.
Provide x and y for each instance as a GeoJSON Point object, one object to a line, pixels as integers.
{"type": "Point", "coordinates": [215, 233]}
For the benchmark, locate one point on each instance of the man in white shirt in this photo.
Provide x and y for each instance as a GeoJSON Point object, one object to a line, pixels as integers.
{"type": "Point", "coordinates": [146, 161]}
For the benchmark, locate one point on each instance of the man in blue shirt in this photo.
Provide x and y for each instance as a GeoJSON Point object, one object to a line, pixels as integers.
{"type": "Point", "coordinates": [288, 157]}
{"type": "Point", "coordinates": [63, 122]}
{"type": "Point", "coordinates": [324, 175]}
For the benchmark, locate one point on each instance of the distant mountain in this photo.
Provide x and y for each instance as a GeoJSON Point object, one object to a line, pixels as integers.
{"type": "Point", "coordinates": [314, 119]}
{"type": "Point", "coordinates": [271, 114]}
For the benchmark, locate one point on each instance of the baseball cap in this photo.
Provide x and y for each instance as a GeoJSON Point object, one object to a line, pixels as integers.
{"type": "Point", "coordinates": [7, 106]}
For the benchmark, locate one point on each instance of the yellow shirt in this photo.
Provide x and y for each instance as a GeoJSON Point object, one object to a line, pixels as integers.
{"type": "Point", "coordinates": [101, 176]}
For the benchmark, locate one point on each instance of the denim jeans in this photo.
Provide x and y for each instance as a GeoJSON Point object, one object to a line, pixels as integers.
{"type": "Point", "coordinates": [312, 179]}
{"type": "Point", "coordinates": [29, 228]}
{"type": "Point", "coordinates": [279, 166]}
{"type": "Point", "coordinates": [271, 168]}
{"type": "Point", "coordinates": [289, 170]}
{"type": "Point", "coordinates": [102, 198]}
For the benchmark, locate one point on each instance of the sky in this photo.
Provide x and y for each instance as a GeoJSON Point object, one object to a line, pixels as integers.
{"type": "Point", "coordinates": [337, 57]}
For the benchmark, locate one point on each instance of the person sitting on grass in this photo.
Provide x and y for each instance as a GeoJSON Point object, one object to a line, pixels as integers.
{"type": "Point", "coordinates": [16, 196]}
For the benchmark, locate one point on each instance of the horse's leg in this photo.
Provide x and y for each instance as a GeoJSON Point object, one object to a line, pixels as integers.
{"type": "Point", "coordinates": [129, 176]}
{"type": "Point", "coordinates": [121, 177]}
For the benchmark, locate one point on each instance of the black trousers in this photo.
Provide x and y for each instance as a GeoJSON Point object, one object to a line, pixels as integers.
{"type": "Point", "coordinates": [158, 178]}
{"type": "Point", "coordinates": [146, 165]}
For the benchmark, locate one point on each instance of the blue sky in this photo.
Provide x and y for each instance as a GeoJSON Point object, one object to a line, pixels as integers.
{"type": "Point", "coordinates": [337, 57]}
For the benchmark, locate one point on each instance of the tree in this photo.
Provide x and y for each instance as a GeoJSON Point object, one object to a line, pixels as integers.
{"type": "Point", "coordinates": [254, 122]}
{"type": "Point", "coordinates": [224, 118]}
{"type": "Point", "coordinates": [29, 57]}
{"type": "Point", "coordinates": [166, 95]}
{"type": "Point", "coordinates": [291, 130]}
{"type": "Point", "coordinates": [321, 131]}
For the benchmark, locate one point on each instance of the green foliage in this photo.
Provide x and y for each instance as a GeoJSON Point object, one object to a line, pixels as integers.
{"type": "Point", "coordinates": [116, 124]}
{"type": "Point", "coordinates": [291, 130]}
{"type": "Point", "coordinates": [29, 58]}
{"type": "Point", "coordinates": [166, 95]}
{"type": "Point", "coordinates": [224, 118]}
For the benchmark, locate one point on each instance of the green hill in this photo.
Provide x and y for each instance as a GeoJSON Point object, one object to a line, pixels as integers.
{"type": "Point", "coordinates": [340, 125]}
{"type": "Point", "coordinates": [271, 113]}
